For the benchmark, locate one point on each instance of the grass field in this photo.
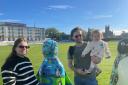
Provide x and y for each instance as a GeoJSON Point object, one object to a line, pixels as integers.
{"type": "Point", "coordinates": [35, 56]}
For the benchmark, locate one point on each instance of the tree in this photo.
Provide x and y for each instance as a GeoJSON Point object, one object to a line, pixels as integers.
{"type": "Point", "coordinates": [51, 32]}
{"type": "Point", "coordinates": [56, 35]}
{"type": "Point", "coordinates": [64, 36]}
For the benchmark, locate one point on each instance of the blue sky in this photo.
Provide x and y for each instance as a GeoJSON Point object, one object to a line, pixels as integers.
{"type": "Point", "coordinates": [67, 14]}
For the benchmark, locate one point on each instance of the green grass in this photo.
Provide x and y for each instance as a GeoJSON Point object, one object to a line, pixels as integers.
{"type": "Point", "coordinates": [36, 57]}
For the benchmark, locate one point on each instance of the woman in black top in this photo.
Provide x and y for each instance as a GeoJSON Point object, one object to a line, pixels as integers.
{"type": "Point", "coordinates": [17, 69]}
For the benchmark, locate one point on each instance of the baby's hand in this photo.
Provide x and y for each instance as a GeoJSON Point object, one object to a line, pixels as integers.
{"type": "Point", "coordinates": [82, 55]}
{"type": "Point", "coordinates": [95, 59]}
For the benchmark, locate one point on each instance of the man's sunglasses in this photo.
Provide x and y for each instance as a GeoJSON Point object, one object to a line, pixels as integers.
{"type": "Point", "coordinates": [21, 46]}
{"type": "Point", "coordinates": [78, 36]}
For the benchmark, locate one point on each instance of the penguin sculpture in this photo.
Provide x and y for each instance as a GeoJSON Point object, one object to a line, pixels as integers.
{"type": "Point", "coordinates": [52, 71]}
{"type": "Point", "coordinates": [119, 74]}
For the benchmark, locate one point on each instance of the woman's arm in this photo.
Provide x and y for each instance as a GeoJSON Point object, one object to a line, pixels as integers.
{"type": "Point", "coordinates": [9, 77]}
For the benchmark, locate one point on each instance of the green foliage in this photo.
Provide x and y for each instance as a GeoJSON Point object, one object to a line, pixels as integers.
{"type": "Point", "coordinates": [51, 33]}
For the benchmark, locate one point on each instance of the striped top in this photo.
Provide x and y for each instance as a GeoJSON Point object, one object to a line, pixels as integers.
{"type": "Point", "coordinates": [18, 71]}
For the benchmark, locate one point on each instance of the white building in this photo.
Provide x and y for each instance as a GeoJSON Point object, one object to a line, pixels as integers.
{"type": "Point", "coordinates": [11, 31]}
{"type": "Point", "coordinates": [35, 34]}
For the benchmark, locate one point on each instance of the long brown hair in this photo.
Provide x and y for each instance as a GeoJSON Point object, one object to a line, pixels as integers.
{"type": "Point", "coordinates": [13, 52]}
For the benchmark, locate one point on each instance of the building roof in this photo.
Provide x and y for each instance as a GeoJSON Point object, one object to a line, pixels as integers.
{"type": "Point", "coordinates": [12, 24]}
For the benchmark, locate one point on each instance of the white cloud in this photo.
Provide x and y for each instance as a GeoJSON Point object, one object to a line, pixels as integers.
{"type": "Point", "coordinates": [102, 16]}
{"type": "Point", "coordinates": [10, 20]}
{"type": "Point", "coordinates": [63, 7]}
{"type": "Point", "coordinates": [1, 14]}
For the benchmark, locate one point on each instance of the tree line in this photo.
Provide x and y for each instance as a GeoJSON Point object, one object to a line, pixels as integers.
{"type": "Point", "coordinates": [56, 34]}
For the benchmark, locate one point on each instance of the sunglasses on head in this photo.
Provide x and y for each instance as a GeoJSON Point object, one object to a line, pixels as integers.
{"type": "Point", "coordinates": [76, 36]}
{"type": "Point", "coordinates": [21, 46]}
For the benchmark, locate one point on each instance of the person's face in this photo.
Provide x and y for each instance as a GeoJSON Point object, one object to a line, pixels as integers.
{"type": "Point", "coordinates": [22, 48]}
{"type": "Point", "coordinates": [77, 36]}
{"type": "Point", "coordinates": [96, 37]}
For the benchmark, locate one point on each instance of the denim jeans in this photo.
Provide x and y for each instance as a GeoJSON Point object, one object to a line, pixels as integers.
{"type": "Point", "coordinates": [85, 81]}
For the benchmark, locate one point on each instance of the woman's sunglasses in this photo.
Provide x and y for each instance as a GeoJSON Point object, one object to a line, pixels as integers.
{"type": "Point", "coordinates": [21, 46]}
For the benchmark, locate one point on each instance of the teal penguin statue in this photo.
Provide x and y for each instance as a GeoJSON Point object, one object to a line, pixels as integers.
{"type": "Point", "coordinates": [52, 71]}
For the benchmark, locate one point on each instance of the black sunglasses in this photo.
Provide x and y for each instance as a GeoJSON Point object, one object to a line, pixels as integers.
{"type": "Point", "coordinates": [21, 46]}
{"type": "Point", "coordinates": [78, 36]}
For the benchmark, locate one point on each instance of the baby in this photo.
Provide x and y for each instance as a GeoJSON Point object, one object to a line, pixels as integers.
{"type": "Point", "coordinates": [97, 47]}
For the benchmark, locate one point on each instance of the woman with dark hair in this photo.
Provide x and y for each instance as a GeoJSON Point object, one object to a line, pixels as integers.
{"type": "Point", "coordinates": [17, 69]}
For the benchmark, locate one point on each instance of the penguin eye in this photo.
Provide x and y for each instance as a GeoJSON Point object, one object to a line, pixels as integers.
{"type": "Point", "coordinates": [123, 43]}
